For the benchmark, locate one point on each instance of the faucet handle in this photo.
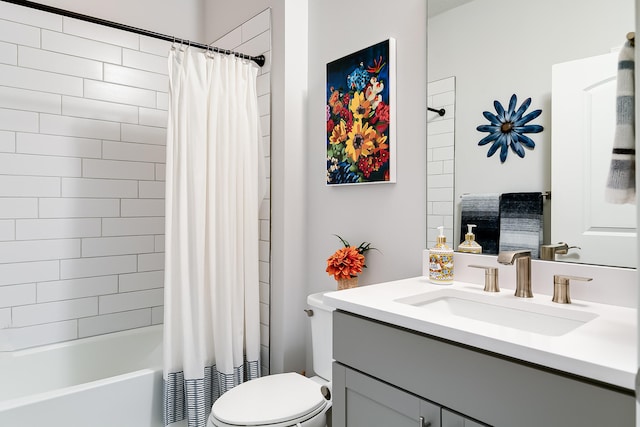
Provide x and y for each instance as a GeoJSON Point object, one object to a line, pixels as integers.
{"type": "Point", "coordinates": [548, 252]}
{"type": "Point", "coordinates": [490, 278]}
{"type": "Point", "coordinates": [561, 287]}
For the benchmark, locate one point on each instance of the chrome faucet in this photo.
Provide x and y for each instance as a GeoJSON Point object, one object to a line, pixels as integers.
{"type": "Point", "coordinates": [522, 259]}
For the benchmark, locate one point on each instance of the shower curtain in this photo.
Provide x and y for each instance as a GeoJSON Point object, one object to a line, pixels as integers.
{"type": "Point", "coordinates": [215, 183]}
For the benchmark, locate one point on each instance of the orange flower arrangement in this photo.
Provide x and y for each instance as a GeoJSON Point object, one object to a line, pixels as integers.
{"type": "Point", "coordinates": [347, 262]}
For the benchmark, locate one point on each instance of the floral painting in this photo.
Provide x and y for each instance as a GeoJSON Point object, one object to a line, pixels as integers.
{"type": "Point", "coordinates": [359, 113]}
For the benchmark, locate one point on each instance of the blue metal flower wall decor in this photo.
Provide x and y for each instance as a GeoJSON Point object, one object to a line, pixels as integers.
{"type": "Point", "coordinates": [508, 128]}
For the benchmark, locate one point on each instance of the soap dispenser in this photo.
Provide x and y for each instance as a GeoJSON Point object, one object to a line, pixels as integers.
{"type": "Point", "coordinates": [470, 245]}
{"type": "Point", "coordinates": [441, 261]}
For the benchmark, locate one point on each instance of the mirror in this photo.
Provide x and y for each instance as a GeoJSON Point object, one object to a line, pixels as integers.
{"type": "Point", "coordinates": [496, 48]}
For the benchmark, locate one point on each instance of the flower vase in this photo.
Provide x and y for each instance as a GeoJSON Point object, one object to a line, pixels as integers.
{"type": "Point", "coordinates": [351, 282]}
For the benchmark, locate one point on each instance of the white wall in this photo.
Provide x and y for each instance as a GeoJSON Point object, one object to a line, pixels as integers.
{"type": "Point", "coordinates": [182, 18]}
{"type": "Point", "coordinates": [221, 17]}
{"type": "Point", "coordinates": [495, 51]}
{"type": "Point", "coordinates": [390, 216]}
{"type": "Point", "coordinates": [82, 130]}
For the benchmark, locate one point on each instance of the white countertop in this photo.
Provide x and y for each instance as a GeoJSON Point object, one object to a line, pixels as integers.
{"type": "Point", "coordinates": [603, 349]}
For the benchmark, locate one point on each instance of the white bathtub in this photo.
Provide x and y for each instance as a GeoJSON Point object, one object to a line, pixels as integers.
{"type": "Point", "coordinates": [113, 380]}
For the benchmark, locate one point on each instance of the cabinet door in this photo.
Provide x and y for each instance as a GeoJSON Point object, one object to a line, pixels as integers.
{"type": "Point", "coordinates": [369, 402]}
{"type": "Point", "coordinates": [451, 419]}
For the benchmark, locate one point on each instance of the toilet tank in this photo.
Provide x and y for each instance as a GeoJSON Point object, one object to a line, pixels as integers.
{"type": "Point", "coordinates": [321, 335]}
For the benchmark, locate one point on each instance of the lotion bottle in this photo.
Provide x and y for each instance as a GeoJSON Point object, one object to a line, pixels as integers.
{"type": "Point", "coordinates": [470, 245]}
{"type": "Point", "coordinates": [441, 261]}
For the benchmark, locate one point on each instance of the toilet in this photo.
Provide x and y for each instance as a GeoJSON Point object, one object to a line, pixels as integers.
{"type": "Point", "coordinates": [289, 399]}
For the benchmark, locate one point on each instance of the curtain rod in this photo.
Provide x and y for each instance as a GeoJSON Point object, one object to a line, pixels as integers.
{"type": "Point", "coordinates": [260, 59]}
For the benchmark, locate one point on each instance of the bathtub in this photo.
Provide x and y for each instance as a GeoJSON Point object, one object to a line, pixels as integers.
{"type": "Point", "coordinates": [112, 380]}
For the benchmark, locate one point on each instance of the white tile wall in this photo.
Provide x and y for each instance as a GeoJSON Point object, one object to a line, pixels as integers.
{"type": "Point", "coordinates": [22, 99]}
{"type": "Point", "coordinates": [29, 186]}
{"type": "Point", "coordinates": [81, 139]}
{"type": "Point", "coordinates": [7, 141]}
{"type": "Point", "coordinates": [82, 47]}
{"type": "Point", "coordinates": [61, 207]}
{"type": "Point", "coordinates": [35, 143]}
{"type": "Point", "coordinates": [97, 325]}
{"type": "Point", "coordinates": [440, 155]}
{"type": "Point", "coordinates": [28, 315]}
{"type": "Point", "coordinates": [31, 17]}
{"type": "Point", "coordinates": [8, 53]}
{"type": "Point", "coordinates": [103, 246]}
{"type": "Point", "coordinates": [59, 290]}
{"type": "Point", "coordinates": [7, 230]}
{"type": "Point", "coordinates": [42, 81]}
{"type": "Point", "coordinates": [59, 63]}
{"type": "Point", "coordinates": [83, 112]}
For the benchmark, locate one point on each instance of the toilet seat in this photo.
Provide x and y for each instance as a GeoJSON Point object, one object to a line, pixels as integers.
{"type": "Point", "coordinates": [275, 401]}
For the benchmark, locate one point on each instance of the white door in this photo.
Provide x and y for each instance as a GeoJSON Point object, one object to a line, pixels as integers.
{"type": "Point", "coordinates": [583, 123]}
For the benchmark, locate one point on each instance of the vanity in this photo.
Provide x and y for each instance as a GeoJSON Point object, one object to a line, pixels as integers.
{"type": "Point", "coordinates": [412, 353]}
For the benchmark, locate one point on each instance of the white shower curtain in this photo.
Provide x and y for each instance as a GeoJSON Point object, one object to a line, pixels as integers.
{"type": "Point", "coordinates": [215, 184]}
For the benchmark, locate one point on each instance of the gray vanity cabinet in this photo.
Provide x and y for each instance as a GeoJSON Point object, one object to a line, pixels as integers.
{"type": "Point", "coordinates": [385, 375]}
{"type": "Point", "coordinates": [369, 402]}
{"type": "Point", "coordinates": [451, 419]}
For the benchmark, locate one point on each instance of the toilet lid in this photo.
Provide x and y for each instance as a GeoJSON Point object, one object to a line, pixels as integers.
{"type": "Point", "coordinates": [269, 400]}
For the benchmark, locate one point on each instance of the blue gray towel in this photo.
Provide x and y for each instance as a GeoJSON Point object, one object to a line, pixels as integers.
{"type": "Point", "coordinates": [482, 210]}
{"type": "Point", "coordinates": [621, 183]}
{"type": "Point", "coordinates": [521, 223]}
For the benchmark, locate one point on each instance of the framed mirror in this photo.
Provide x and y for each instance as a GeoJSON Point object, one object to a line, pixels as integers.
{"type": "Point", "coordinates": [494, 49]}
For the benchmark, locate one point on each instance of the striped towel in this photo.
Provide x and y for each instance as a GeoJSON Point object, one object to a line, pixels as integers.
{"type": "Point", "coordinates": [621, 183]}
{"type": "Point", "coordinates": [482, 210]}
{"type": "Point", "coordinates": [521, 223]}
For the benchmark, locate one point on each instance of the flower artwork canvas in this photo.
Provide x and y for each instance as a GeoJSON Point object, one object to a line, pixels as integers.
{"type": "Point", "coordinates": [360, 111]}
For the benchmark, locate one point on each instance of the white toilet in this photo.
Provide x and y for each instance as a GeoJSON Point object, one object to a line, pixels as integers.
{"type": "Point", "coordinates": [285, 400]}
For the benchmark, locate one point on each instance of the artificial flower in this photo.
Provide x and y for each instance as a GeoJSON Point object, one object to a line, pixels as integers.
{"type": "Point", "coordinates": [348, 261]}
{"type": "Point", "coordinates": [345, 263]}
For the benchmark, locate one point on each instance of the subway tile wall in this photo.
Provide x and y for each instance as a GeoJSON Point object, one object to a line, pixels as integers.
{"type": "Point", "coordinates": [254, 38]}
{"type": "Point", "coordinates": [440, 159]}
{"type": "Point", "coordinates": [83, 112]}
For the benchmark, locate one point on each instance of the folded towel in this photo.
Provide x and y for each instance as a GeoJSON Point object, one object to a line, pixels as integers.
{"type": "Point", "coordinates": [482, 210]}
{"type": "Point", "coordinates": [521, 223]}
{"type": "Point", "coordinates": [621, 183]}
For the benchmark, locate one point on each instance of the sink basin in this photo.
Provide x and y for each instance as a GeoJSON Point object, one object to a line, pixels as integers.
{"type": "Point", "coordinates": [497, 310]}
